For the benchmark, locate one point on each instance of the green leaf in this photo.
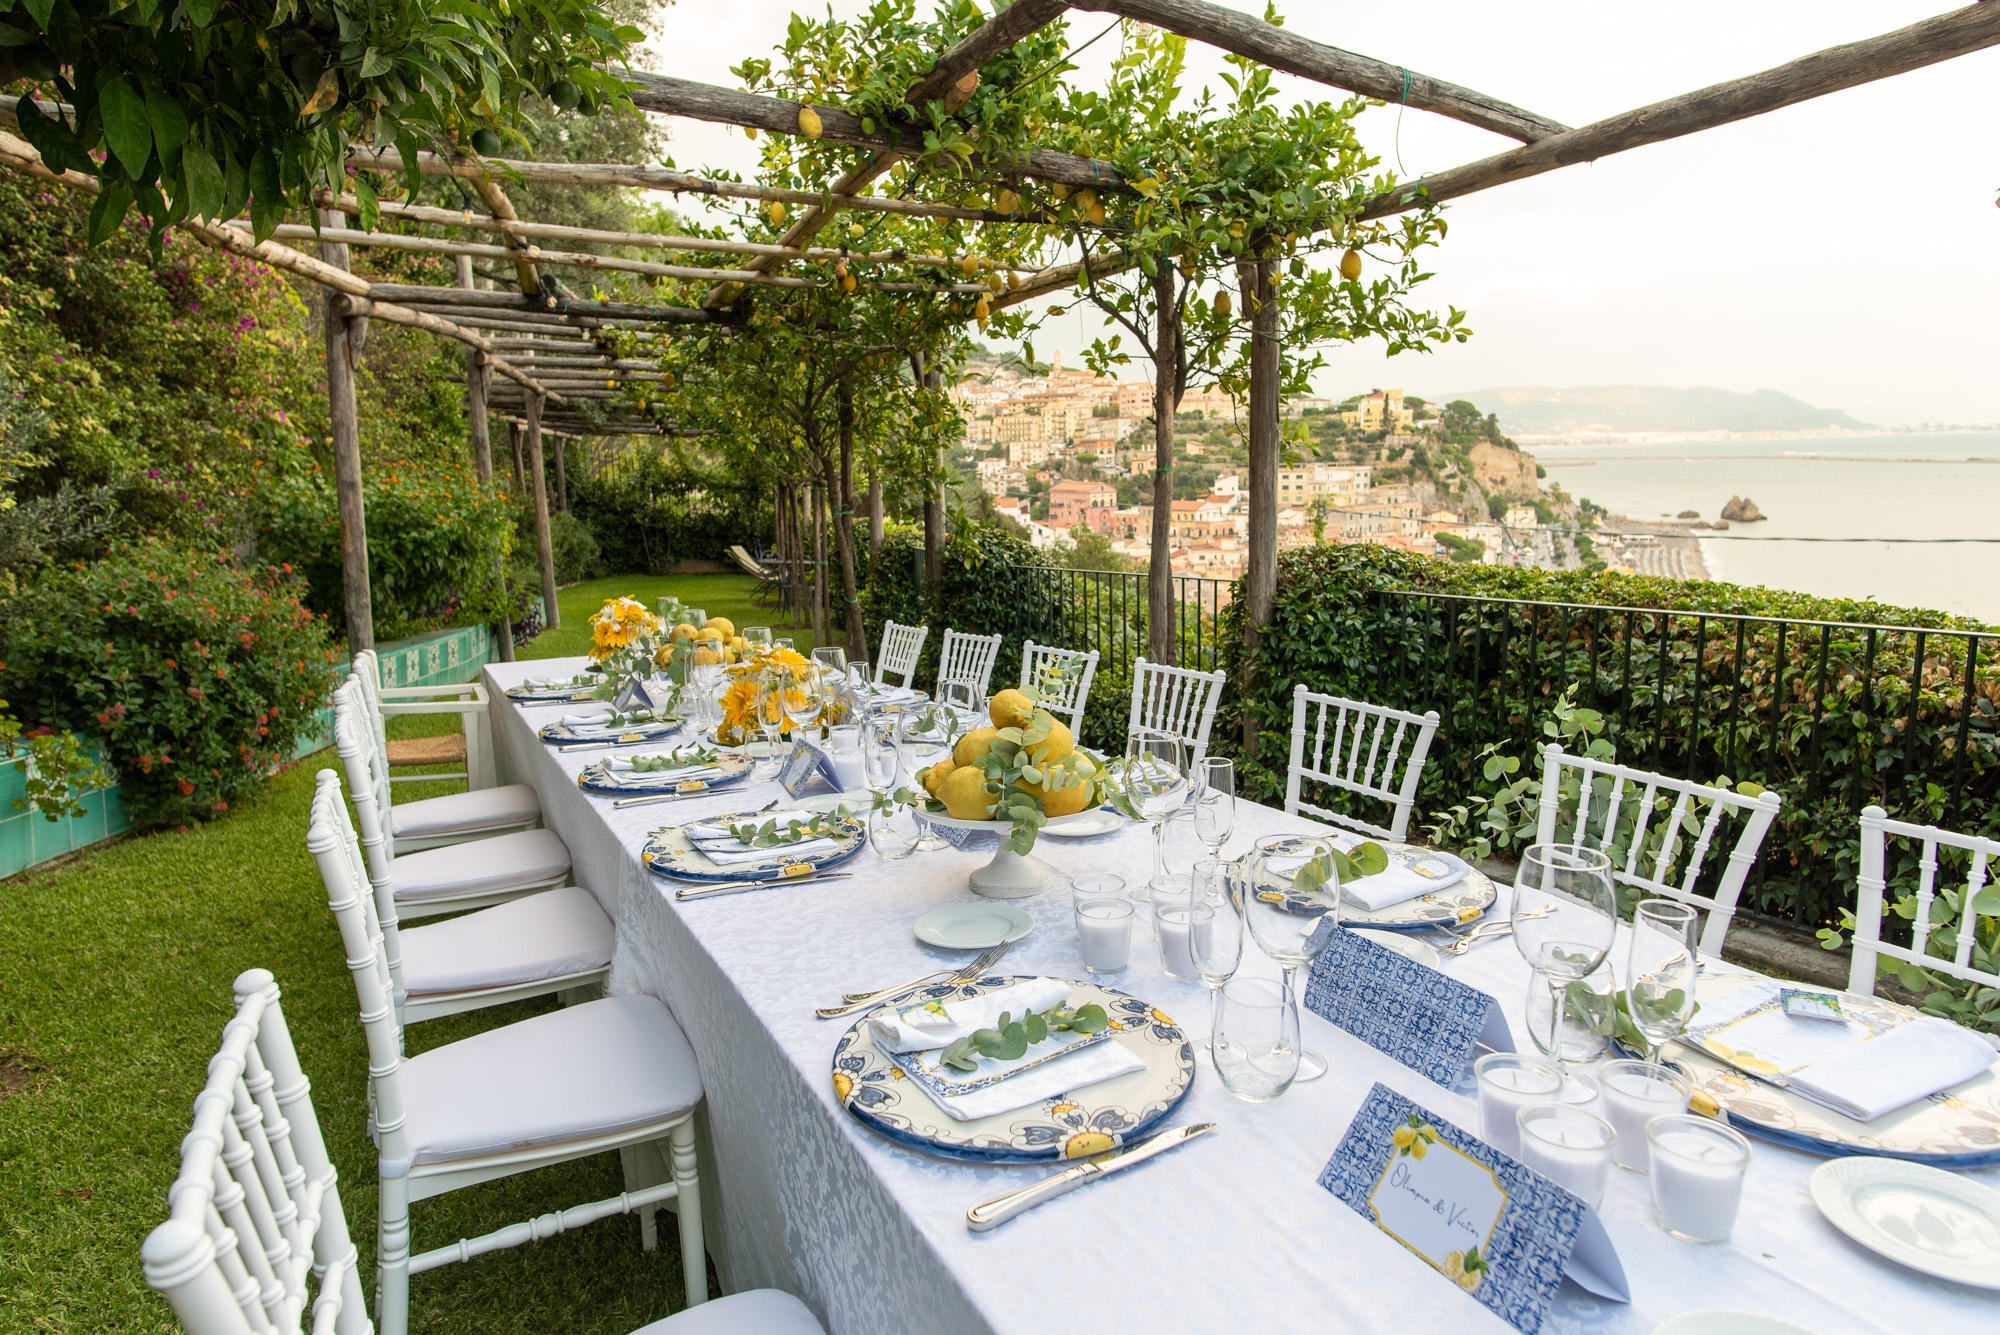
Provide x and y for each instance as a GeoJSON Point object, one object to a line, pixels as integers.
{"type": "Point", "coordinates": [267, 200]}
{"type": "Point", "coordinates": [374, 64]}
{"type": "Point", "coordinates": [204, 182]}
{"type": "Point", "coordinates": [39, 11]}
{"type": "Point", "coordinates": [126, 130]}
{"type": "Point", "coordinates": [1089, 1019]}
{"type": "Point", "coordinates": [1036, 1026]}
{"type": "Point", "coordinates": [170, 123]}
{"type": "Point", "coordinates": [112, 203]}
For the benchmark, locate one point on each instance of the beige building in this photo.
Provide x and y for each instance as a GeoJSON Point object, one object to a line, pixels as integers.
{"type": "Point", "coordinates": [1381, 411]}
{"type": "Point", "coordinates": [1336, 483]}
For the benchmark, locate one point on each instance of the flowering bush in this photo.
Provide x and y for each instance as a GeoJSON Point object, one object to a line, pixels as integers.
{"type": "Point", "coordinates": [199, 677]}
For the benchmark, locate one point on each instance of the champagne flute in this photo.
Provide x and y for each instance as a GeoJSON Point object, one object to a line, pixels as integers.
{"type": "Point", "coordinates": [805, 700]}
{"type": "Point", "coordinates": [1660, 971]}
{"type": "Point", "coordinates": [1215, 802]}
{"type": "Point", "coordinates": [1290, 894]}
{"type": "Point", "coordinates": [770, 721]}
{"type": "Point", "coordinates": [1155, 781]}
{"type": "Point", "coordinates": [706, 663]}
{"type": "Point", "coordinates": [1574, 902]}
{"type": "Point", "coordinates": [1216, 943]}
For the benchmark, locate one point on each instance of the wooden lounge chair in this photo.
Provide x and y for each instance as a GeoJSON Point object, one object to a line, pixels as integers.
{"type": "Point", "coordinates": [768, 580]}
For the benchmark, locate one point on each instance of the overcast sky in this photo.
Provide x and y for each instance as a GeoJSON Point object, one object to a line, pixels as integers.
{"type": "Point", "coordinates": [1846, 251]}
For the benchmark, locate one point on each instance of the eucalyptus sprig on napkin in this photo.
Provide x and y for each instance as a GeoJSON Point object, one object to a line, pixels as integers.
{"type": "Point", "coordinates": [1012, 1038]}
{"type": "Point", "coordinates": [678, 758]}
{"type": "Point", "coordinates": [1369, 859]}
{"type": "Point", "coordinates": [773, 835]}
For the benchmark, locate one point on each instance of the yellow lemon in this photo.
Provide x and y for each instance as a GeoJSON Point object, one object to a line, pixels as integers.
{"type": "Point", "coordinates": [1350, 265]}
{"type": "Point", "coordinates": [684, 631]}
{"type": "Point", "coordinates": [1222, 304]}
{"type": "Point", "coordinates": [1064, 801]}
{"type": "Point", "coordinates": [937, 774]}
{"type": "Point", "coordinates": [809, 123]}
{"type": "Point", "coordinates": [1011, 709]}
{"type": "Point", "coordinates": [1060, 743]}
{"type": "Point", "coordinates": [972, 747]}
{"type": "Point", "coordinates": [722, 624]}
{"type": "Point", "coordinates": [708, 633]}
{"type": "Point", "coordinates": [964, 794]}
{"type": "Point", "coordinates": [739, 644]}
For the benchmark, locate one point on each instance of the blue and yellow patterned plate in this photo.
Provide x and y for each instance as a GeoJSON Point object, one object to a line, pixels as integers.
{"type": "Point", "coordinates": [1086, 1121]}
{"type": "Point", "coordinates": [563, 736]}
{"type": "Point", "coordinates": [1463, 894]}
{"type": "Point", "coordinates": [670, 856]}
{"type": "Point", "coordinates": [730, 768]}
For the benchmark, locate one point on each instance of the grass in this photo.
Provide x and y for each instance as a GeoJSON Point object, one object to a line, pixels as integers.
{"type": "Point", "coordinates": [115, 973]}
{"type": "Point", "coordinates": [717, 595]}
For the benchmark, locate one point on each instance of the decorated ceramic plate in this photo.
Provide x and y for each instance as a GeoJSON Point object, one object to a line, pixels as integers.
{"type": "Point", "coordinates": [1463, 896]}
{"type": "Point", "coordinates": [1954, 1128]}
{"type": "Point", "coordinates": [728, 768]}
{"type": "Point", "coordinates": [551, 695]}
{"type": "Point", "coordinates": [564, 735]}
{"type": "Point", "coordinates": [669, 854]}
{"type": "Point", "coordinates": [1082, 1122]}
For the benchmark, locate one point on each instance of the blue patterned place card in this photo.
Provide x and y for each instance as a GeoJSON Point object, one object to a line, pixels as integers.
{"type": "Point", "coordinates": [1496, 1228]}
{"type": "Point", "coordinates": [1427, 1021]}
{"type": "Point", "coordinates": [806, 761]}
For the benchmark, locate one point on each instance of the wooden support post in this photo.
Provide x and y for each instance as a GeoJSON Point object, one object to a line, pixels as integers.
{"type": "Point", "coordinates": [514, 443]}
{"type": "Point", "coordinates": [1260, 581]}
{"type": "Point", "coordinates": [1161, 642]}
{"type": "Point", "coordinates": [562, 474]}
{"type": "Point", "coordinates": [874, 518]}
{"type": "Point", "coordinates": [843, 533]}
{"type": "Point", "coordinates": [343, 342]}
{"type": "Point", "coordinates": [933, 501]}
{"type": "Point", "coordinates": [478, 381]}
{"type": "Point", "coordinates": [543, 546]}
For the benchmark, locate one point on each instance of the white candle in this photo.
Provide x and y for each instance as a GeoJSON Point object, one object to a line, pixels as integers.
{"type": "Point", "coordinates": [1176, 952]}
{"type": "Point", "coordinates": [1569, 1146]}
{"type": "Point", "coordinates": [1636, 1092]}
{"type": "Point", "coordinates": [1509, 1082]}
{"type": "Point", "coordinates": [1104, 934]}
{"type": "Point", "coordinates": [1697, 1172]}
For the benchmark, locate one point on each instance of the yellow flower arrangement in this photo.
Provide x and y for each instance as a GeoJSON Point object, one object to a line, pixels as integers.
{"type": "Point", "coordinates": [739, 702]}
{"type": "Point", "coordinates": [617, 624]}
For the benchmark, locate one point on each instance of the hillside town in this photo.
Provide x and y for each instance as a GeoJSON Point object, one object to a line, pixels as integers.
{"type": "Point", "coordinates": [1067, 456]}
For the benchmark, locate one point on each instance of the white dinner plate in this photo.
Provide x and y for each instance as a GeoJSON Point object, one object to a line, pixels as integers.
{"type": "Point", "coordinates": [972, 926]}
{"type": "Point", "coordinates": [1727, 1323]}
{"type": "Point", "coordinates": [1403, 944]}
{"type": "Point", "coordinates": [835, 804]}
{"type": "Point", "coordinates": [1923, 1217]}
{"type": "Point", "coordinates": [1085, 825]}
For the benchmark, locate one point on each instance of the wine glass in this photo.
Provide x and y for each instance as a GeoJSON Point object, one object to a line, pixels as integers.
{"type": "Point", "coordinates": [757, 637]}
{"type": "Point", "coordinates": [805, 700]}
{"type": "Point", "coordinates": [1565, 916]}
{"type": "Point", "coordinates": [1660, 971]}
{"type": "Point", "coordinates": [770, 721]}
{"type": "Point", "coordinates": [706, 663]}
{"type": "Point", "coordinates": [961, 700]}
{"type": "Point", "coordinates": [1216, 943]}
{"type": "Point", "coordinates": [882, 752]}
{"type": "Point", "coordinates": [1155, 781]}
{"type": "Point", "coordinates": [696, 617]}
{"type": "Point", "coordinates": [1215, 802]}
{"type": "Point", "coordinates": [1290, 896]}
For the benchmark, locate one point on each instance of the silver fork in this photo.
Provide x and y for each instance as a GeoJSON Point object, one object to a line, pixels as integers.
{"type": "Point", "coordinates": [957, 974]}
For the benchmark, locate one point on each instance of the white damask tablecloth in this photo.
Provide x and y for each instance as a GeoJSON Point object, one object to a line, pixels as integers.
{"type": "Point", "coordinates": [1231, 1233]}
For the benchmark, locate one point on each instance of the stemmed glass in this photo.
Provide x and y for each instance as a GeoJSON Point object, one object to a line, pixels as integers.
{"type": "Point", "coordinates": [1215, 942]}
{"type": "Point", "coordinates": [831, 659]}
{"type": "Point", "coordinates": [770, 720]}
{"type": "Point", "coordinates": [757, 637]}
{"type": "Point", "coordinates": [1565, 916]}
{"type": "Point", "coordinates": [1292, 917]}
{"type": "Point", "coordinates": [961, 698]}
{"type": "Point", "coordinates": [1155, 781]}
{"type": "Point", "coordinates": [882, 752]}
{"type": "Point", "coordinates": [805, 699]}
{"type": "Point", "coordinates": [706, 663]}
{"type": "Point", "coordinates": [1215, 802]}
{"type": "Point", "coordinates": [1660, 971]}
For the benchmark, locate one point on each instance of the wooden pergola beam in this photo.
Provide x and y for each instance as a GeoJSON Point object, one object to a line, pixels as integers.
{"type": "Point", "coordinates": [547, 304]}
{"type": "Point", "coordinates": [1929, 42]}
{"type": "Point", "coordinates": [997, 34]}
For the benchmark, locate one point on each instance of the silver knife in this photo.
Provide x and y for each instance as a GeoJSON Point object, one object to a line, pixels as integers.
{"type": "Point", "coordinates": [993, 1213]}
{"type": "Point", "coordinates": [706, 790]}
{"type": "Point", "coordinates": [736, 887]}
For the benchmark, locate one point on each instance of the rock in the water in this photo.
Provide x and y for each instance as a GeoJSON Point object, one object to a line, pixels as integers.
{"type": "Point", "coordinates": [1688, 514]}
{"type": "Point", "coordinates": [1742, 510]}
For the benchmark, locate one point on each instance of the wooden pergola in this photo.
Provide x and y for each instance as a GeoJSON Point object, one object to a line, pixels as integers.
{"type": "Point", "coordinates": [550, 349]}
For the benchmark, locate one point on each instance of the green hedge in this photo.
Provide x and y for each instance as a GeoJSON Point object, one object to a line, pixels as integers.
{"type": "Point", "coordinates": [651, 509]}
{"type": "Point", "coordinates": [981, 594]}
{"type": "Point", "coordinates": [1832, 717]}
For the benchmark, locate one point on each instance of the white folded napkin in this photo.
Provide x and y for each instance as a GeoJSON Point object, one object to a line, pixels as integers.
{"type": "Point", "coordinates": [1387, 888]}
{"type": "Point", "coordinates": [718, 829]}
{"type": "Point", "coordinates": [592, 719]}
{"type": "Point", "coordinates": [937, 1025]}
{"type": "Point", "coordinates": [728, 852]}
{"type": "Point", "coordinates": [891, 695]}
{"type": "Point", "coordinates": [625, 774]}
{"type": "Point", "coordinates": [1086, 1066]}
{"type": "Point", "coordinates": [1910, 1062]}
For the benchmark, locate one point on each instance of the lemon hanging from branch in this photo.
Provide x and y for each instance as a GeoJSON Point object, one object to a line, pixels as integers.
{"type": "Point", "coordinates": [809, 123]}
{"type": "Point", "coordinates": [1350, 266]}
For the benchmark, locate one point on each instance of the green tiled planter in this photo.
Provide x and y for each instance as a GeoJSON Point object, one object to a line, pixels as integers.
{"type": "Point", "coordinates": [442, 658]}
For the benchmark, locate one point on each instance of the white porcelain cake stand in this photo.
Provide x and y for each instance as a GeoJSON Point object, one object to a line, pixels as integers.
{"type": "Point", "coordinates": [1009, 875]}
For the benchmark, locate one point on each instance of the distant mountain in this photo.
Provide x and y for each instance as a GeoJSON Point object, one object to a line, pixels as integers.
{"type": "Point", "coordinates": [1538, 410]}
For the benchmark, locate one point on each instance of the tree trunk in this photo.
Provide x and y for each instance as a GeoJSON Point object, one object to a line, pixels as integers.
{"type": "Point", "coordinates": [478, 380]}
{"type": "Point", "coordinates": [874, 518]}
{"type": "Point", "coordinates": [933, 503]}
{"type": "Point", "coordinates": [1260, 581]}
{"type": "Point", "coordinates": [545, 548]}
{"type": "Point", "coordinates": [343, 338]}
{"type": "Point", "coordinates": [1160, 637]}
{"type": "Point", "coordinates": [822, 632]}
{"type": "Point", "coordinates": [795, 519]}
{"type": "Point", "coordinates": [843, 534]}
{"type": "Point", "coordinates": [514, 443]}
{"type": "Point", "coordinates": [562, 474]}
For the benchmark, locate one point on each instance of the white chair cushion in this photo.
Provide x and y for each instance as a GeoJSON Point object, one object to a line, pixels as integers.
{"type": "Point", "coordinates": [465, 813]}
{"type": "Point", "coordinates": [758, 1312]}
{"type": "Point", "coordinates": [535, 937]}
{"type": "Point", "coordinates": [583, 1071]}
{"type": "Point", "coordinates": [504, 862]}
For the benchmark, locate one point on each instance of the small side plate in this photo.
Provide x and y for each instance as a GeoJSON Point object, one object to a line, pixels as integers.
{"type": "Point", "coordinates": [1085, 825]}
{"type": "Point", "coordinates": [973, 926]}
{"type": "Point", "coordinates": [1922, 1217]}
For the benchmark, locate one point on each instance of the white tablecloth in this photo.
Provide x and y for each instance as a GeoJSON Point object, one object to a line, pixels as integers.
{"type": "Point", "coordinates": [1231, 1233]}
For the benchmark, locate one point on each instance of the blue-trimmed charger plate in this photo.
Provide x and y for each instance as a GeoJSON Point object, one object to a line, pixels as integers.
{"type": "Point", "coordinates": [669, 855]}
{"type": "Point", "coordinates": [733, 769]}
{"type": "Point", "coordinates": [1075, 1125]}
{"type": "Point", "coordinates": [1463, 894]}
{"type": "Point", "coordinates": [562, 735]}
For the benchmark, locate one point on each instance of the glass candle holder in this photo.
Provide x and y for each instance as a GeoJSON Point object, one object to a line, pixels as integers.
{"type": "Point", "coordinates": [1697, 1168]}
{"type": "Point", "coordinates": [1568, 1146]}
{"type": "Point", "coordinates": [1509, 1082]}
{"type": "Point", "coordinates": [1636, 1092]}
{"type": "Point", "coordinates": [1580, 1090]}
{"type": "Point", "coordinates": [1104, 934]}
{"type": "Point", "coordinates": [1095, 885]}
{"type": "Point", "coordinates": [1176, 925]}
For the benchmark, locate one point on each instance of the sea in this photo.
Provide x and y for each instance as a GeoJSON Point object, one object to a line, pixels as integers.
{"type": "Point", "coordinates": [1889, 498]}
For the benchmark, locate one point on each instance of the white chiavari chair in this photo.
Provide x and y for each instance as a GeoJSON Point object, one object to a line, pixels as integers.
{"type": "Point", "coordinates": [1175, 702]}
{"type": "Point", "coordinates": [968, 658]}
{"type": "Point", "coordinates": [1357, 747]}
{"type": "Point", "coordinates": [1869, 947]}
{"type": "Point", "coordinates": [614, 1074]}
{"type": "Point", "coordinates": [1625, 806]}
{"type": "Point", "coordinates": [899, 651]}
{"type": "Point", "coordinates": [461, 876]}
{"type": "Point", "coordinates": [1064, 674]}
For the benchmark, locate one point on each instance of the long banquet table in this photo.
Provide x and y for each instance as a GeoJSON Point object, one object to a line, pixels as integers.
{"type": "Point", "coordinates": [1231, 1233]}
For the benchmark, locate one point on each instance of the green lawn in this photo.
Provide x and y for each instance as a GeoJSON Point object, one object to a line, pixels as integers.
{"type": "Point", "coordinates": [717, 595]}
{"type": "Point", "coordinates": [113, 993]}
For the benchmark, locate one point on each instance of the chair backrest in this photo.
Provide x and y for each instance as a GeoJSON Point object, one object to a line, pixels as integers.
{"type": "Point", "coordinates": [1178, 702]}
{"type": "Point", "coordinates": [1625, 801]}
{"type": "Point", "coordinates": [1360, 753]}
{"type": "Point", "coordinates": [350, 704]}
{"type": "Point", "coordinates": [898, 653]}
{"type": "Point", "coordinates": [1064, 675]}
{"type": "Point", "coordinates": [366, 676]}
{"type": "Point", "coordinates": [255, 1211]}
{"type": "Point", "coordinates": [369, 853]}
{"type": "Point", "coordinates": [968, 658]}
{"type": "Point", "coordinates": [1869, 946]}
